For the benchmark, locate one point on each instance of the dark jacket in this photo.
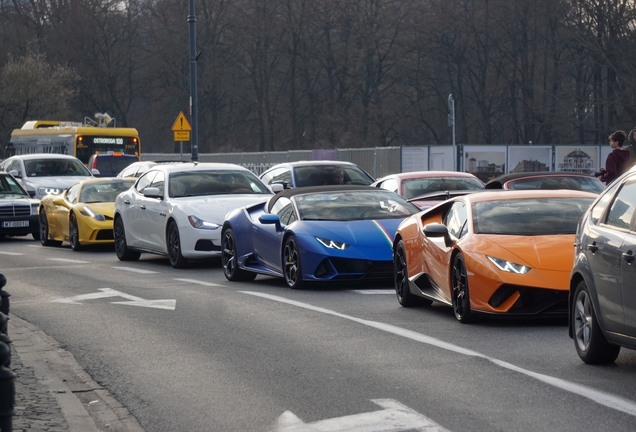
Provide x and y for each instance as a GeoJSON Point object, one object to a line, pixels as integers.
{"type": "Point", "coordinates": [616, 164]}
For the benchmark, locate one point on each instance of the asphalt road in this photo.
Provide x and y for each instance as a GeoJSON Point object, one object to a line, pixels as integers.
{"type": "Point", "coordinates": [187, 350]}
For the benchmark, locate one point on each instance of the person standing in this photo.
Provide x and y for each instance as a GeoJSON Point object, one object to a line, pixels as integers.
{"type": "Point", "coordinates": [631, 145]}
{"type": "Point", "coordinates": [617, 161]}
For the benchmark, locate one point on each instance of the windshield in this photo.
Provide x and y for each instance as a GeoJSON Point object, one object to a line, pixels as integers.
{"type": "Point", "coordinates": [587, 184]}
{"type": "Point", "coordinates": [8, 185]}
{"type": "Point", "coordinates": [318, 175]}
{"type": "Point", "coordinates": [215, 182]}
{"type": "Point", "coordinates": [353, 205]}
{"type": "Point", "coordinates": [412, 188]}
{"type": "Point", "coordinates": [529, 216]}
{"type": "Point", "coordinates": [55, 168]}
{"type": "Point", "coordinates": [104, 192]}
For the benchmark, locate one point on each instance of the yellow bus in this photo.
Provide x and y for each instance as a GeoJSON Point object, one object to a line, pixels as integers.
{"type": "Point", "coordinates": [73, 138]}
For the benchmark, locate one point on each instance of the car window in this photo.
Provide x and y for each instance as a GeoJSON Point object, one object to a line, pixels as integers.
{"type": "Point", "coordinates": [417, 187]}
{"type": "Point", "coordinates": [587, 184]}
{"type": "Point", "coordinates": [601, 205]}
{"type": "Point", "coordinates": [285, 210]}
{"type": "Point", "coordinates": [71, 195]}
{"type": "Point", "coordinates": [621, 211]}
{"type": "Point", "coordinates": [529, 216]}
{"type": "Point", "coordinates": [55, 168]}
{"type": "Point", "coordinates": [129, 172]}
{"type": "Point", "coordinates": [9, 185]}
{"type": "Point", "coordinates": [456, 219]}
{"type": "Point", "coordinates": [144, 181]}
{"type": "Point", "coordinates": [159, 181]}
{"type": "Point", "coordinates": [112, 164]}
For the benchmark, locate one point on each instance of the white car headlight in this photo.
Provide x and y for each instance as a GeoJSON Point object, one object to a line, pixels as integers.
{"type": "Point", "coordinates": [202, 224]}
{"type": "Point", "coordinates": [42, 190]}
{"type": "Point", "coordinates": [87, 211]}
{"type": "Point", "coordinates": [331, 244]}
{"type": "Point", "coordinates": [34, 209]}
{"type": "Point", "coordinates": [509, 266]}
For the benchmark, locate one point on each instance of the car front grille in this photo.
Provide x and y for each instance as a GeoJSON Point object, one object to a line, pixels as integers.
{"type": "Point", "coordinates": [15, 210]}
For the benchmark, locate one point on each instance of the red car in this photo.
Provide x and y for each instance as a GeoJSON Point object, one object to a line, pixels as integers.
{"type": "Point", "coordinates": [427, 188]}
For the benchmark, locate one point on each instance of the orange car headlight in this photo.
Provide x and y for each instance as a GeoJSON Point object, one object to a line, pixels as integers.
{"type": "Point", "coordinates": [508, 266]}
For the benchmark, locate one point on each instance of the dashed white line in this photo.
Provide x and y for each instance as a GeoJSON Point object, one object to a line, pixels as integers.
{"type": "Point", "coordinates": [10, 253]}
{"type": "Point", "coordinates": [194, 281]}
{"type": "Point", "coordinates": [68, 260]}
{"type": "Point", "coordinates": [375, 291]}
{"type": "Point", "coordinates": [135, 270]}
{"type": "Point", "coordinates": [615, 402]}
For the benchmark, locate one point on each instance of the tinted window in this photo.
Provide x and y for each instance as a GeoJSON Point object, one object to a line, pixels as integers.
{"type": "Point", "coordinates": [9, 185]}
{"type": "Point", "coordinates": [587, 184]}
{"type": "Point", "coordinates": [104, 192]}
{"type": "Point", "coordinates": [144, 181]}
{"type": "Point", "coordinates": [601, 204]}
{"type": "Point", "coordinates": [285, 211]}
{"type": "Point", "coordinates": [318, 175]}
{"type": "Point", "coordinates": [111, 165]}
{"type": "Point", "coordinates": [622, 210]}
{"type": "Point", "coordinates": [529, 216]}
{"type": "Point", "coordinates": [416, 187]}
{"type": "Point", "coordinates": [215, 182]}
{"type": "Point", "coordinates": [456, 218]}
{"type": "Point", "coordinates": [158, 182]}
{"type": "Point", "coordinates": [55, 168]}
{"type": "Point", "coordinates": [71, 195]}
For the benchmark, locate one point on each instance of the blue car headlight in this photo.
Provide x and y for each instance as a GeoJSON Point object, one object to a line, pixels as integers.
{"type": "Point", "coordinates": [87, 211]}
{"type": "Point", "coordinates": [202, 224]}
{"type": "Point", "coordinates": [332, 244]}
{"type": "Point", "coordinates": [509, 266]}
{"type": "Point", "coordinates": [49, 190]}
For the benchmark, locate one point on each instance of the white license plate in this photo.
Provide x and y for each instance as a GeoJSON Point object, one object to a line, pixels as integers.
{"type": "Point", "coordinates": [15, 224]}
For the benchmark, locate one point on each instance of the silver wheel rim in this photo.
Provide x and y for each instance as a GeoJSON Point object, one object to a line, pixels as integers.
{"type": "Point", "coordinates": [582, 320]}
{"type": "Point", "coordinates": [291, 262]}
{"type": "Point", "coordinates": [229, 256]}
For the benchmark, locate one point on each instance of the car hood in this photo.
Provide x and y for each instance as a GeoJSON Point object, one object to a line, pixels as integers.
{"type": "Point", "coordinates": [11, 200]}
{"type": "Point", "coordinates": [549, 252]}
{"type": "Point", "coordinates": [215, 207]}
{"type": "Point", "coordinates": [364, 233]}
{"type": "Point", "coordinates": [53, 182]}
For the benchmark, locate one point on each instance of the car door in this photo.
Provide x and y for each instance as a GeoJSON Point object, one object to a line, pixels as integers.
{"type": "Point", "coordinates": [155, 217]}
{"type": "Point", "coordinates": [60, 216]}
{"type": "Point", "coordinates": [627, 252]}
{"type": "Point", "coordinates": [603, 245]}
{"type": "Point", "coordinates": [133, 213]}
{"type": "Point", "coordinates": [268, 241]}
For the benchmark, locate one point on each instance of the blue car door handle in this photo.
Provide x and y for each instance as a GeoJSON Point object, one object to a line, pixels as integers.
{"type": "Point", "coordinates": [143, 207]}
{"type": "Point", "coordinates": [592, 247]}
{"type": "Point", "coordinates": [126, 202]}
{"type": "Point", "coordinates": [629, 257]}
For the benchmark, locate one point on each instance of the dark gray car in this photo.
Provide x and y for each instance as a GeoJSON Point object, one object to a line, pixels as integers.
{"type": "Point", "coordinates": [603, 279]}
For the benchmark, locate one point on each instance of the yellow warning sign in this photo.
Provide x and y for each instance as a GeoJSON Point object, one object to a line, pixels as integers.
{"type": "Point", "coordinates": [181, 124]}
{"type": "Point", "coordinates": [181, 135]}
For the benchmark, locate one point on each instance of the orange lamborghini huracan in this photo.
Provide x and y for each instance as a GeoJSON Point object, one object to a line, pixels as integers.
{"type": "Point", "coordinates": [504, 252]}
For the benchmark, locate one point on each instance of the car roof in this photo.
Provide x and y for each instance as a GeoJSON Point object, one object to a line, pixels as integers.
{"type": "Point", "coordinates": [43, 156]}
{"type": "Point", "coordinates": [313, 162]}
{"type": "Point", "coordinates": [289, 193]}
{"type": "Point", "coordinates": [200, 166]}
{"type": "Point", "coordinates": [499, 195]}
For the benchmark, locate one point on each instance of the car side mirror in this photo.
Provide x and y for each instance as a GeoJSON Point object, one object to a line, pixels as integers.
{"type": "Point", "coordinates": [268, 219]}
{"type": "Point", "coordinates": [434, 230]}
{"type": "Point", "coordinates": [15, 173]}
{"type": "Point", "coordinates": [152, 192]}
{"type": "Point", "coordinates": [277, 187]}
{"type": "Point", "coordinates": [95, 172]}
{"type": "Point", "coordinates": [58, 200]}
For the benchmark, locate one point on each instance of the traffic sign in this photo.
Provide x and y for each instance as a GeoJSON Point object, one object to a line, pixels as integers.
{"type": "Point", "coordinates": [182, 135]}
{"type": "Point", "coordinates": [181, 124]}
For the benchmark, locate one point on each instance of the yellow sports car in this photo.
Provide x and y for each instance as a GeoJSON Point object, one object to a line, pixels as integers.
{"type": "Point", "coordinates": [82, 214]}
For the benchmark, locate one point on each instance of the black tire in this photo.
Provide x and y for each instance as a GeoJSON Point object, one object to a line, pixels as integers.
{"type": "Point", "coordinates": [44, 231]}
{"type": "Point", "coordinates": [460, 293]}
{"type": "Point", "coordinates": [292, 269]}
{"type": "Point", "coordinates": [401, 279]}
{"type": "Point", "coordinates": [229, 260]}
{"type": "Point", "coordinates": [121, 247]}
{"type": "Point", "coordinates": [73, 233]}
{"type": "Point", "coordinates": [589, 340]}
{"type": "Point", "coordinates": [174, 247]}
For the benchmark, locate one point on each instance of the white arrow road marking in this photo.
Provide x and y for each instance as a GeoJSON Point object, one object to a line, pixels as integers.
{"type": "Point", "coordinates": [68, 260]}
{"type": "Point", "coordinates": [394, 417]}
{"type": "Point", "coordinates": [170, 304]}
{"type": "Point", "coordinates": [194, 281]}
{"type": "Point", "coordinates": [10, 253]}
{"type": "Point", "coordinates": [611, 401]}
{"type": "Point", "coordinates": [374, 291]}
{"type": "Point", "coordinates": [135, 270]}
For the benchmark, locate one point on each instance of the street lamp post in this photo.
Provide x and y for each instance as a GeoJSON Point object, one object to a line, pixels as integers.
{"type": "Point", "coordinates": [451, 123]}
{"type": "Point", "coordinates": [193, 84]}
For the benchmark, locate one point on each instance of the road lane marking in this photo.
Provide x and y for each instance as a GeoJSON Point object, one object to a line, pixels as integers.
{"type": "Point", "coordinates": [135, 270]}
{"type": "Point", "coordinates": [168, 304]}
{"type": "Point", "coordinates": [615, 402]}
{"type": "Point", "coordinates": [68, 260]}
{"type": "Point", "coordinates": [374, 291]}
{"type": "Point", "coordinates": [393, 416]}
{"type": "Point", "coordinates": [10, 253]}
{"type": "Point", "coordinates": [194, 281]}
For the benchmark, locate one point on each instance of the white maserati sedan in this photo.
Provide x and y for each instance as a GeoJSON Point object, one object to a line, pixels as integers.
{"type": "Point", "coordinates": [177, 210]}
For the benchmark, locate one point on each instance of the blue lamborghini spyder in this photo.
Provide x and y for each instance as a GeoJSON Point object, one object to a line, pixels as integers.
{"type": "Point", "coordinates": [315, 234]}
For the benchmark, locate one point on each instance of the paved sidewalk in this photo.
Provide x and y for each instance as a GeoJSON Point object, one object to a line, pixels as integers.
{"type": "Point", "coordinates": [53, 393]}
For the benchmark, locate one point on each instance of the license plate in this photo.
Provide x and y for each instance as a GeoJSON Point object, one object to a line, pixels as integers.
{"type": "Point", "coordinates": [15, 224]}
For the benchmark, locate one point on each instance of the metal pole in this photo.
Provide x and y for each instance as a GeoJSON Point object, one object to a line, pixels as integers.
{"type": "Point", "coordinates": [193, 83]}
{"type": "Point", "coordinates": [451, 123]}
